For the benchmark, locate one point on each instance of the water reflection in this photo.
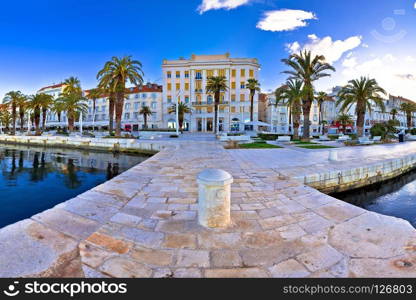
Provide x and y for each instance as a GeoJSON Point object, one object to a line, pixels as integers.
{"type": "Point", "coordinates": [34, 179]}
{"type": "Point", "coordinates": [395, 197]}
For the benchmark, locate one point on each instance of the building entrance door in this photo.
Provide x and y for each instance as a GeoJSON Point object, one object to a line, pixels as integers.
{"type": "Point", "coordinates": [221, 124]}
{"type": "Point", "coordinates": [199, 125]}
{"type": "Point", "coordinates": [210, 126]}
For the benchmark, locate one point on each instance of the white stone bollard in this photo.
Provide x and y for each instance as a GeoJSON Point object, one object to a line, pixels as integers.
{"type": "Point", "coordinates": [333, 155]}
{"type": "Point", "coordinates": [214, 202]}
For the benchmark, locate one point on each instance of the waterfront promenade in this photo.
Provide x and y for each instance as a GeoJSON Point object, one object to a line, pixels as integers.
{"type": "Point", "coordinates": [143, 223]}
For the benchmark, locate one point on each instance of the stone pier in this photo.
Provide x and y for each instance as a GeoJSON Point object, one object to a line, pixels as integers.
{"type": "Point", "coordinates": [144, 223]}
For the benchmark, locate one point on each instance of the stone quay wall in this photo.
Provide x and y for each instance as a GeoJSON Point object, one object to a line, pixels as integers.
{"type": "Point", "coordinates": [100, 144]}
{"type": "Point", "coordinates": [358, 177]}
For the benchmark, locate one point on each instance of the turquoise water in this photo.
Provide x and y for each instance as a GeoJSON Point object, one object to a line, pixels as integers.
{"type": "Point", "coordinates": [35, 179]}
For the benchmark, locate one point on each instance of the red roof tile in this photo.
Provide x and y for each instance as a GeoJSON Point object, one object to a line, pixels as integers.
{"type": "Point", "coordinates": [52, 86]}
{"type": "Point", "coordinates": [147, 88]}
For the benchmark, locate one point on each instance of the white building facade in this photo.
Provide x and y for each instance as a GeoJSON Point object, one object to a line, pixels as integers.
{"type": "Point", "coordinates": [149, 95]}
{"type": "Point", "coordinates": [376, 115]}
{"type": "Point", "coordinates": [279, 117]}
{"type": "Point", "coordinates": [185, 80]}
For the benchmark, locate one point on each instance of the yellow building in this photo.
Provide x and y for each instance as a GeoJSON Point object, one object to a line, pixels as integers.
{"type": "Point", "coordinates": [185, 80]}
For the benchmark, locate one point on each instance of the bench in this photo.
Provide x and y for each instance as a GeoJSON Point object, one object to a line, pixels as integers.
{"type": "Point", "coordinates": [364, 140]}
{"type": "Point", "coordinates": [410, 137]}
{"type": "Point", "coordinates": [376, 139]}
{"type": "Point", "coordinates": [283, 139]}
{"type": "Point", "coordinates": [343, 138]}
{"type": "Point", "coordinates": [238, 138]}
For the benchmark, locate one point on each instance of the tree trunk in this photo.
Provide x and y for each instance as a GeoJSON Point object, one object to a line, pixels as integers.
{"type": "Point", "coordinates": [306, 120]}
{"type": "Point", "coordinates": [145, 121]}
{"type": "Point", "coordinates": [409, 120]}
{"type": "Point", "coordinates": [14, 119]}
{"type": "Point", "coordinates": [22, 119]}
{"type": "Point", "coordinates": [360, 122]}
{"type": "Point", "coordinates": [306, 107]}
{"type": "Point", "coordinates": [252, 106]}
{"type": "Point", "coordinates": [93, 114]}
{"type": "Point", "coordinates": [119, 112]}
{"type": "Point", "coordinates": [71, 121]}
{"type": "Point", "coordinates": [44, 119]}
{"type": "Point", "coordinates": [181, 117]}
{"type": "Point", "coordinates": [320, 118]}
{"type": "Point", "coordinates": [111, 105]}
{"type": "Point", "coordinates": [37, 122]}
{"type": "Point", "coordinates": [296, 123]}
{"type": "Point", "coordinates": [217, 102]}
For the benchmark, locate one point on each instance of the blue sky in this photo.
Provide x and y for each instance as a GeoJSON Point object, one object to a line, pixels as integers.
{"type": "Point", "coordinates": [43, 42]}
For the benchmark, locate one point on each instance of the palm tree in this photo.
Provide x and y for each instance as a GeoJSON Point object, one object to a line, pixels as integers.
{"type": "Point", "coordinates": [308, 69]}
{"type": "Point", "coordinates": [345, 120]}
{"type": "Point", "coordinates": [72, 85]}
{"type": "Point", "coordinates": [114, 75]}
{"type": "Point", "coordinates": [107, 90]}
{"type": "Point", "coordinates": [111, 110]}
{"type": "Point", "coordinates": [361, 92]}
{"type": "Point", "coordinates": [5, 116]}
{"type": "Point", "coordinates": [408, 108]}
{"type": "Point", "coordinates": [46, 105]}
{"type": "Point", "coordinates": [294, 93]}
{"type": "Point", "coordinates": [182, 110]}
{"type": "Point", "coordinates": [253, 86]}
{"type": "Point", "coordinates": [13, 99]}
{"type": "Point", "coordinates": [73, 104]}
{"type": "Point", "coordinates": [36, 103]}
{"type": "Point", "coordinates": [216, 85]}
{"type": "Point", "coordinates": [58, 108]}
{"type": "Point", "coordinates": [321, 97]}
{"type": "Point", "coordinates": [145, 111]}
{"type": "Point", "coordinates": [22, 105]}
{"type": "Point", "coordinates": [94, 94]}
{"type": "Point", "coordinates": [394, 113]}
{"type": "Point", "coordinates": [279, 96]}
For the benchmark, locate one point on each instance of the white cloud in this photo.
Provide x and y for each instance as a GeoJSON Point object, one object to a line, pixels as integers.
{"type": "Point", "coordinates": [285, 20]}
{"type": "Point", "coordinates": [410, 59]}
{"type": "Point", "coordinates": [332, 50]}
{"type": "Point", "coordinates": [406, 76]}
{"type": "Point", "coordinates": [207, 5]}
{"type": "Point", "coordinates": [393, 72]}
{"type": "Point", "coordinates": [350, 62]}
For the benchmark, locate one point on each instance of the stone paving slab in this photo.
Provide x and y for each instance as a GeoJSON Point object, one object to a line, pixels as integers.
{"type": "Point", "coordinates": [30, 249]}
{"type": "Point", "coordinates": [144, 223]}
{"type": "Point", "coordinates": [280, 228]}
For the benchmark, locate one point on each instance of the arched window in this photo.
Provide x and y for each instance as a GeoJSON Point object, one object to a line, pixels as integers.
{"type": "Point", "coordinates": [235, 124]}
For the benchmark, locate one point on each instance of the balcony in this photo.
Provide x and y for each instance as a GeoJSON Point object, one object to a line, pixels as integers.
{"type": "Point", "coordinates": [199, 90]}
{"type": "Point", "coordinates": [208, 103]}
